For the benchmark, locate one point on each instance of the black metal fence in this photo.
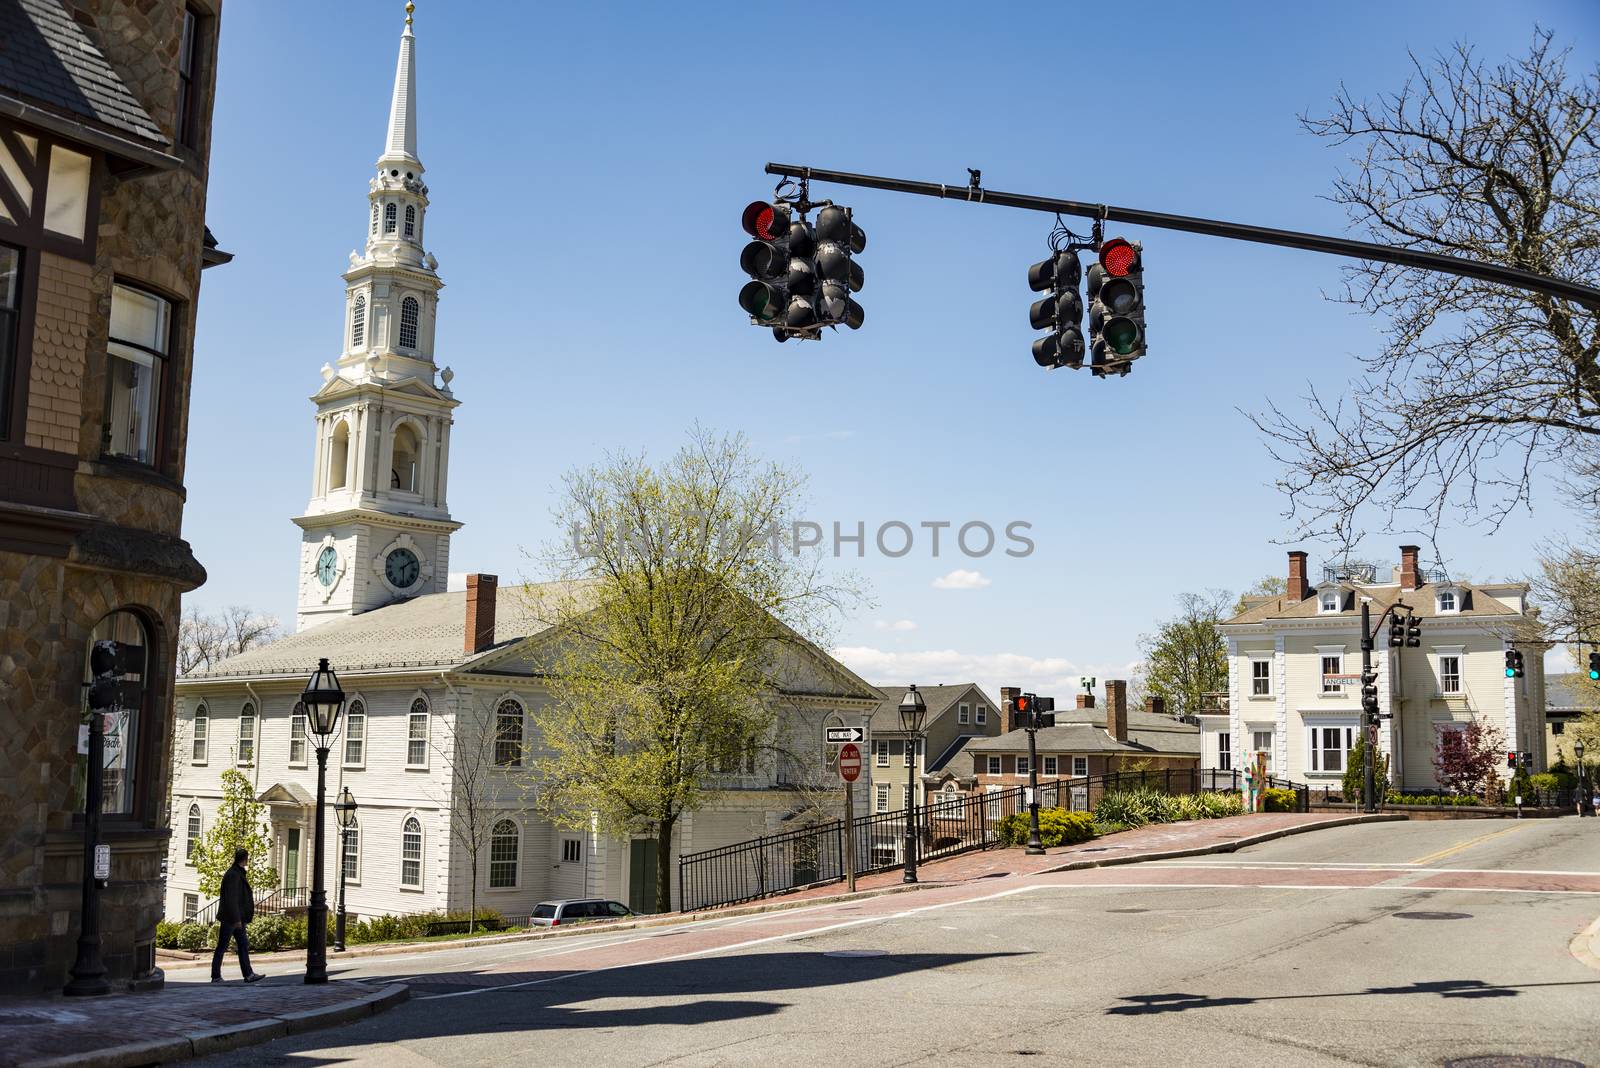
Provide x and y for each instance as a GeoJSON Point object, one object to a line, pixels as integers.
{"type": "Point", "coordinates": [289, 899]}
{"type": "Point", "coordinates": [946, 825]}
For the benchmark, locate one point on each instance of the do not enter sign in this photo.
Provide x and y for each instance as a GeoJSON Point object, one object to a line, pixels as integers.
{"type": "Point", "coordinates": [849, 762]}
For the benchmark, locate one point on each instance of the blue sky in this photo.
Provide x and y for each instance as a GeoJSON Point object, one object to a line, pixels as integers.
{"type": "Point", "coordinates": [587, 165]}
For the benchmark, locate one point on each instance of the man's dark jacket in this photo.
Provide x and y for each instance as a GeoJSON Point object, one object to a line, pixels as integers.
{"type": "Point", "coordinates": [236, 904]}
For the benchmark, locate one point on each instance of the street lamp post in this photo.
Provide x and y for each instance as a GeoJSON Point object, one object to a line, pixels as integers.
{"type": "Point", "coordinates": [324, 700]}
{"type": "Point", "coordinates": [912, 711]}
{"type": "Point", "coordinates": [1583, 779]}
{"type": "Point", "coordinates": [345, 808]}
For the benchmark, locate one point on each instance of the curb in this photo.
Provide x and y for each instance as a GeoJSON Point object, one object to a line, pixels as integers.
{"type": "Point", "coordinates": [1226, 847]}
{"type": "Point", "coordinates": [223, 1039]}
{"type": "Point", "coordinates": [1585, 943]}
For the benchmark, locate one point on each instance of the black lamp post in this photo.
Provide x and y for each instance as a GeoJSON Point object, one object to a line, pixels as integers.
{"type": "Point", "coordinates": [913, 709]}
{"type": "Point", "coordinates": [345, 807]}
{"type": "Point", "coordinates": [1583, 779]}
{"type": "Point", "coordinates": [324, 700]}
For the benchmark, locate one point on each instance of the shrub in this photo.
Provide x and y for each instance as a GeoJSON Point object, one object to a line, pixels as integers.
{"type": "Point", "coordinates": [415, 925]}
{"type": "Point", "coordinates": [167, 934]}
{"type": "Point", "coordinates": [1057, 827]}
{"type": "Point", "coordinates": [269, 933]}
{"type": "Point", "coordinates": [1394, 798]}
{"type": "Point", "coordinates": [194, 937]}
{"type": "Point", "coordinates": [1141, 806]}
{"type": "Point", "coordinates": [1279, 799]}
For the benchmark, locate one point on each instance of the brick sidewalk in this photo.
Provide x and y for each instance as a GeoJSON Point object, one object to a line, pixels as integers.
{"type": "Point", "coordinates": [1125, 847]}
{"type": "Point", "coordinates": [182, 1020]}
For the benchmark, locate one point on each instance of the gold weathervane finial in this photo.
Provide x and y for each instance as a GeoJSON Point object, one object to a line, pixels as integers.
{"type": "Point", "coordinates": [410, 7]}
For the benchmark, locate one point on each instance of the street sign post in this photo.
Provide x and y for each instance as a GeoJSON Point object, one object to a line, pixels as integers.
{"type": "Point", "coordinates": [850, 771]}
{"type": "Point", "coordinates": [837, 735]}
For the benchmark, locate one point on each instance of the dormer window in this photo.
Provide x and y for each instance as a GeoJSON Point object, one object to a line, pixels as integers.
{"type": "Point", "coordinates": [1330, 601]}
{"type": "Point", "coordinates": [1449, 601]}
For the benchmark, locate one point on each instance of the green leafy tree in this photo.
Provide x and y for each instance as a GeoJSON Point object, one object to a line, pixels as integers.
{"type": "Point", "coordinates": [679, 627]}
{"type": "Point", "coordinates": [1186, 658]}
{"type": "Point", "coordinates": [240, 823]}
{"type": "Point", "coordinates": [1268, 586]}
{"type": "Point", "coordinates": [1355, 773]}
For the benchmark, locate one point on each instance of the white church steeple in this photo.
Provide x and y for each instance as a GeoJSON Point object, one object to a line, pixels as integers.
{"type": "Point", "coordinates": [377, 528]}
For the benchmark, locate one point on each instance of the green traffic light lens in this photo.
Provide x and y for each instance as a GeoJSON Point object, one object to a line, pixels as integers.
{"type": "Point", "coordinates": [1511, 673]}
{"type": "Point", "coordinates": [1121, 335]}
{"type": "Point", "coordinates": [759, 300]}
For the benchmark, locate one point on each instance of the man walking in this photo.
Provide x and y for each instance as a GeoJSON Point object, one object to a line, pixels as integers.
{"type": "Point", "coordinates": [236, 906]}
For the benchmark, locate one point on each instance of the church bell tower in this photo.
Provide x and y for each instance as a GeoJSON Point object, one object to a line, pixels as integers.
{"type": "Point", "coordinates": [377, 529]}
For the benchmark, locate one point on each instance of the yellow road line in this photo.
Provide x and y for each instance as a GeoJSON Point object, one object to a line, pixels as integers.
{"type": "Point", "coordinates": [1468, 844]}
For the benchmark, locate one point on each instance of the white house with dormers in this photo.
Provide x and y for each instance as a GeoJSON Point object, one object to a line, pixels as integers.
{"type": "Point", "coordinates": [1284, 651]}
{"type": "Point", "coordinates": [421, 666]}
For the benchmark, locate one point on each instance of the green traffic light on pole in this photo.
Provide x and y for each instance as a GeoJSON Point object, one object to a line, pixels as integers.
{"type": "Point", "coordinates": [1594, 665]}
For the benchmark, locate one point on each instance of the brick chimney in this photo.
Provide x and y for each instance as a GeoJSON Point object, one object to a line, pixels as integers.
{"type": "Point", "coordinates": [1117, 709]}
{"type": "Point", "coordinates": [1156, 706]}
{"type": "Point", "coordinates": [1086, 700]}
{"type": "Point", "coordinates": [1008, 707]}
{"type": "Point", "coordinates": [1409, 576]}
{"type": "Point", "coordinates": [480, 612]}
{"type": "Point", "coordinates": [1299, 586]}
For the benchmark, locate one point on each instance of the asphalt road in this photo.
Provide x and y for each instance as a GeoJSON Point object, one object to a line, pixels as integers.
{"type": "Point", "coordinates": [1397, 943]}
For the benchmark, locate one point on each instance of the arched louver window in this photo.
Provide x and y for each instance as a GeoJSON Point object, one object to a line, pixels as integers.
{"type": "Point", "coordinates": [358, 322]}
{"type": "Point", "coordinates": [374, 220]}
{"type": "Point", "coordinates": [388, 218]}
{"type": "Point", "coordinates": [411, 221]}
{"type": "Point", "coordinates": [409, 312]}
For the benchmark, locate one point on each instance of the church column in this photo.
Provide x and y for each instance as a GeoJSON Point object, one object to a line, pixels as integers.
{"type": "Point", "coordinates": [444, 458]}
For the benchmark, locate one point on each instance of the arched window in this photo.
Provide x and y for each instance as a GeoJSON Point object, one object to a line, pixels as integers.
{"type": "Point", "coordinates": [123, 734]}
{"type": "Point", "coordinates": [508, 735]}
{"type": "Point", "coordinates": [358, 322]}
{"type": "Point", "coordinates": [202, 724]}
{"type": "Point", "coordinates": [355, 735]}
{"type": "Point", "coordinates": [403, 468]}
{"type": "Point", "coordinates": [388, 218]}
{"type": "Point", "coordinates": [417, 735]}
{"type": "Point", "coordinates": [339, 456]}
{"type": "Point", "coordinates": [352, 850]}
{"type": "Point", "coordinates": [411, 852]}
{"type": "Point", "coordinates": [503, 848]}
{"type": "Point", "coordinates": [374, 219]}
{"type": "Point", "coordinates": [191, 838]}
{"type": "Point", "coordinates": [247, 734]}
{"type": "Point", "coordinates": [409, 311]}
{"type": "Point", "coordinates": [411, 221]}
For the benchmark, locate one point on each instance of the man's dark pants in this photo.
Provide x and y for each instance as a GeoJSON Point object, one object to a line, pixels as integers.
{"type": "Point", "coordinates": [222, 949]}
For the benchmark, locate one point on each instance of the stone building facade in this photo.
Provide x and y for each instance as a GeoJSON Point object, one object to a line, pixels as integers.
{"type": "Point", "coordinates": [105, 115]}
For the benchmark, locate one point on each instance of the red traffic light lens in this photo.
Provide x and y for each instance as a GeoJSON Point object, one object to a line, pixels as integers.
{"type": "Point", "coordinates": [1117, 256]}
{"type": "Point", "coordinates": [760, 221]}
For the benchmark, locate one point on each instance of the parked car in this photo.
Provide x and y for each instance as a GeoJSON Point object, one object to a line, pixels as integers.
{"type": "Point", "coordinates": [577, 910]}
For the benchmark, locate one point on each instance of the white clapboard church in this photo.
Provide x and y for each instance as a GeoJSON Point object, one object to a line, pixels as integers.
{"type": "Point", "coordinates": [419, 663]}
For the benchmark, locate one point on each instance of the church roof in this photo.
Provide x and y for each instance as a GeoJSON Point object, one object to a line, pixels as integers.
{"type": "Point", "coordinates": [401, 145]}
{"type": "Point", "coordinates": [426, 631]}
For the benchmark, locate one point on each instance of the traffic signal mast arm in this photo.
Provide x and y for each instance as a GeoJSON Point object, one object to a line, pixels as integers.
{"type": "Point", "coordinates": [1588, 296]}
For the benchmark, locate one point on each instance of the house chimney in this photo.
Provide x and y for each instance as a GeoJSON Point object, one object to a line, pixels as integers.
{"type": "Point", "coordinates": [1299, 588]}
{"type": "Point", "coordinates": [1008, 707]}
{"type": "Point", "coordinates": [1086, 700]}
{"type": "Point", "coordinates": [1156, 706]}
{"type": "Point", "coordinates": [480, 612]}
{"type": "Point", "coordinates": [1117, 709]}
{"type": "Point", "coordinates": [1408, 568]}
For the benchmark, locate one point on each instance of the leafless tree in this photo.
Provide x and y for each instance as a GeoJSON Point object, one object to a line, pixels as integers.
{"type": "Point", "coordinates": [205, 639]}
{"type": "Point", "coordinates": [1477, 384]}
{"type": "Point", "coordinates": [481, 761]}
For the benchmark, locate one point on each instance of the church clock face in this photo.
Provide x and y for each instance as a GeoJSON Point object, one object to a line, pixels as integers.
{"type": "Point", "coordinates": [328, 566]}
{"type": "Point", "coordinates": [401, 568]}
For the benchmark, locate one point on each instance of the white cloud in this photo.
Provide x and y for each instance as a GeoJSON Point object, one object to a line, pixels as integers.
{"type": "Point", "coordinates": [1055, 676]}
{"type": "Point", "coordinates": [897, 624]}
{"type": "Point", "coordinates": [961, 580]}
{"type": "Point", "coordinates": [456, 580]}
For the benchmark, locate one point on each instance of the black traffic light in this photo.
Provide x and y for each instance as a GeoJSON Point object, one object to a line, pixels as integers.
{"type": "Point", "coordinates": [778, 262]}
{"type": "Point", "coordinates": [109, 662]}
{"type": "Point", "coordinates": [1044, 712]}
{"type": "Point", "coordinates": [1116, 307]}
{"type": "Point", "coordinates": [1594, 665]}
{"type": "Point", "coordinates": [838, 241]}
{"type": "Point", "coordinates": [1059, 311]}
{"type": "Point", "coordinates": [1413, 632]}
{"type": "Point", "coordinates": [1397, 632]}
{"type": "Point", "coordinates": [1369, 696]}
{"type": "Point", "coordinates": [1511, 761]}
{"type": "Point", "coordinates": [1022, 710]}
{"type": "Point", "coordinates": [1514, 663]}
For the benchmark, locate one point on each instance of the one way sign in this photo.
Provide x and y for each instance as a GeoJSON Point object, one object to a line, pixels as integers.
{"type": "Point", "coordinates": [839, 735]}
